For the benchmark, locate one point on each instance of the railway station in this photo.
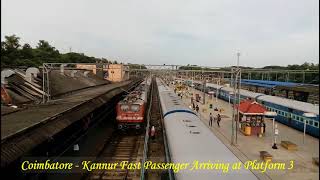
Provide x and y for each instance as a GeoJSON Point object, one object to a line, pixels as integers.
{"type": "Point", "coordinates": [147, 122]}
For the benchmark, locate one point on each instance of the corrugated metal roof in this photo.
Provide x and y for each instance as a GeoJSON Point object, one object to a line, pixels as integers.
{"type": "Point", "coordinates": [269, 83]}
{"type": "Point", "coordinates": [243, 92]}
{"type": "Point", "coordinates": [293, 104]}
{"type": "Point", "coordinates": [213, 85]}
{"type": "Point", "coordinates": [16, 145]}
{"type": "Point", "coordinates": [258, 84]}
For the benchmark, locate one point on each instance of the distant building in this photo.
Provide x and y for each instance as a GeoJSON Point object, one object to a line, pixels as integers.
{"type": "Point", "coordinates": [110, 72]}
{"type": "Point", "coordinates": [117, 73]}
{"type": "Point", "coordinates": [90, 67]}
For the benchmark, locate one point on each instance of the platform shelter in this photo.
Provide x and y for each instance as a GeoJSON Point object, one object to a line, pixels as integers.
{"type": "Point", "coordinates": [251, 118]}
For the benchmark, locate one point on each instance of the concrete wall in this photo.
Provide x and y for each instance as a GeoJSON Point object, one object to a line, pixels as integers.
{"type": "Point", "coordinates": [87, 67]}
{"type": "Point", "coordinates": [117, 73]}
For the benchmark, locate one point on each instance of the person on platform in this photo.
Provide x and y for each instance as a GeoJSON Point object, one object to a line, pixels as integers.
{"type": "Point", "coordinates": [218, 120]}
{"type": "Point", "coordinates": [193, 106]}
{"type": "Point", "coordinates": [197, 108]}
{"type": "Point", "coordinates": [153, 133]}
{"type": "Point", "coordinates": [210, 119]}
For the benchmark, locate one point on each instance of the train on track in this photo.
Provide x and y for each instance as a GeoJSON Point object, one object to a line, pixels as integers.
{"type": "Point", "coordinates": [131, 110]}
{"type": "Point", "coordinates": [289, 112]}
{"type": "Point", "coordinates": [190, 141]}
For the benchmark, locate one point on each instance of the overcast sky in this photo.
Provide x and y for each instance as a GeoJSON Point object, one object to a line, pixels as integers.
{"type": "Point", "coordinates": [203, 32]}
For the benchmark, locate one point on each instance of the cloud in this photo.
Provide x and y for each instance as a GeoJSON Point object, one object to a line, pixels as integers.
{"type": "Point", "coordinates": [202, 32]}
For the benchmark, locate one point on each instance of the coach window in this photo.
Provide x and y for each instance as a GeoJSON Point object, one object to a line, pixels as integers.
{"type": "Point", "coordinates": [316, 124]}
{"type": "Point", "coordinates": [301, 119]}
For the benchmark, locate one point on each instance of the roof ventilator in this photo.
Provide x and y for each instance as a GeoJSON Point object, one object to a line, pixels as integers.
{"type": "Point", "coordinates": [188, 125]}
{"type": "Point", "coordinates": [32, 71]}
{"type": "Point", "coordinates": [194, 132]}
{"type": "Point", "coordinates": [85, 74]}
{"type": "Point", "coordinates": [62, 69]}
{"type": "Point", "coordinates": [73, 72]}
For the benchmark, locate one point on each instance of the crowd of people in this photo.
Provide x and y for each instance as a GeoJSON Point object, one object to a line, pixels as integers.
{"type": "Point", "coordinates": [212, 119]}
{"type": "Point", "coordinates": [195, 107]}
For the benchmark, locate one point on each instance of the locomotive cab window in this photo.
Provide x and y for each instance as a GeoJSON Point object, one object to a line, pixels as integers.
{"type": "Point", "coordinates": [124, 108]}
{"type": "Point", "coordinates": [135, 107]}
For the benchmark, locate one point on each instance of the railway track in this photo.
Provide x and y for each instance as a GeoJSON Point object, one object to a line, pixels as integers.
{"type": "Point", "coordinates": [131, 147]}
{"type": "Point", "coordinates": [119, 148]}
{"type": "Point", "coordinates": [155, 151]}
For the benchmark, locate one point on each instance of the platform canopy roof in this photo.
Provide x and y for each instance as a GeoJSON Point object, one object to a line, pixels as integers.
{"type": "Point", "coordinates": [282, 85]}
{"type": "Point", "coordinates": [268, 84]}
{"type": "Point", "coordinates": [249, 107]}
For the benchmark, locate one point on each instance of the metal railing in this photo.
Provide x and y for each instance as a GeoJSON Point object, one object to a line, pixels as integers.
{"type": "Point", "coordinates": [146, 139]}
{"type": "Point", "coordinates": [145, 154]}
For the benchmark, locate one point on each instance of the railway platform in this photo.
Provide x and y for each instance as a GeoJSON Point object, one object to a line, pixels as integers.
{"type": "Point", "coordinates": [43, 121]}
{"type": "Point", "coordinates": [247, 148]}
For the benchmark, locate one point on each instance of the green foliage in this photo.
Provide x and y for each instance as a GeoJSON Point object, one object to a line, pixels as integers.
{"type": "Point", "coordinates": [136, 66]}
{"type": "Point", "coordinates": [304, 66]}
{"type": "Point", "coordinates": [13, 55]}
{"type": "Point", "coordinates": [192, 67]}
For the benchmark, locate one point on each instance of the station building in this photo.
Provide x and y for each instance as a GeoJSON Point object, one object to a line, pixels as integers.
{"type": "Point", "coordinates": [110, 72]}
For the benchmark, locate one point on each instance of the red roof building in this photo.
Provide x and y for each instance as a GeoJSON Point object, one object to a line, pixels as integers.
{"type": "Point", "coordinates": [248, 107]}
{"type": "Point", "coordinates": [251, 117]}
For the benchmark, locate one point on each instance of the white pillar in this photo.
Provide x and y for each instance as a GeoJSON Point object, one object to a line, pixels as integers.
{"type": "Point", "coordinates": [273, 137]}
{"type": "Point", "coordinates": [304, 129]}
{"type": "Point", "coordinates": [308, 115]}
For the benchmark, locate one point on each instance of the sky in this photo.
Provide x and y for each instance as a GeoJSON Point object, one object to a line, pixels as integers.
{"type": "Point", "coordinates": [200, 32]}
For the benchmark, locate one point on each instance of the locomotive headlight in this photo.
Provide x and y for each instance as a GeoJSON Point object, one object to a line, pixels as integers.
{"type": "Point", "coordinates": [137, 126]}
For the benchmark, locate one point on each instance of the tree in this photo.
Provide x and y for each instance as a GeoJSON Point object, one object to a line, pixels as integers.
{"type": "Point", "coordinates": [9, 50]}
{"type": "Point", "coordinates": [44, 45]}
{"type": "Point", "coordinates": [26, 51]}
{"type": "Point", "coordinates": [3, 48]}
{"type": "Point", "coordinates": [47, 52]}
{"type": "Point", "coordinates": [11, 42]}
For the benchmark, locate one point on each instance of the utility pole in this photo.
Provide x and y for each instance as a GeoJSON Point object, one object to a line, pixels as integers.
{"type": "Point", "coordinates": [204, 86]}
{"type": "Point", "coordinates": [233, 113]}
{"type": "Point", "coordinates": [235, 72]}
{"type": "Point", "coordinates": [238, 88]}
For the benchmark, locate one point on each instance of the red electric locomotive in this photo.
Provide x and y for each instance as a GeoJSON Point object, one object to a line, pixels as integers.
{"type": "Point", "coordinates": [131, 110]}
